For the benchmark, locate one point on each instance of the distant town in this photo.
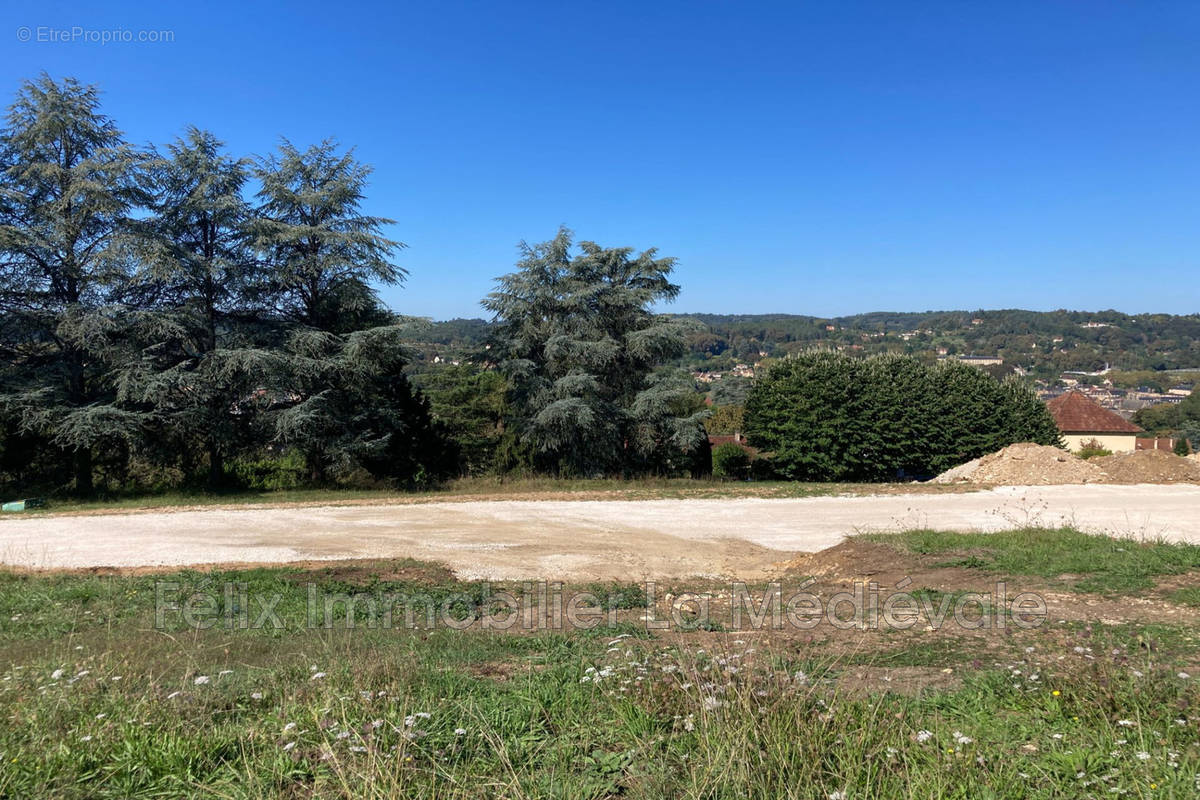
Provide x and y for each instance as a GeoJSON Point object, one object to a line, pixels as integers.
{"type": "Point", "coordinates": [1122, 362]}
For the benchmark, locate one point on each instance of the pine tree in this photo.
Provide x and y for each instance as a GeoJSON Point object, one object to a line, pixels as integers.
{"type": "Point", "coordinates": [68, 185]}
{"type": "Point", "coordinates": [582, 350]}
{"type": "Point", "coordinates": [199, 378]}
{"type": "Point", "coordinates": [472, 406]}
{"type": "Point", "coordinates": [322, 252]}
{"type": "Point", "coordinates": [348, 405]}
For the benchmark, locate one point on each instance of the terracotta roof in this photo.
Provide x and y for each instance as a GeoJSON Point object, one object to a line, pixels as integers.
{"type": "Point", "coordinates": [1076, 413]}
{"type": "Point", "coordinates": [720, 439]}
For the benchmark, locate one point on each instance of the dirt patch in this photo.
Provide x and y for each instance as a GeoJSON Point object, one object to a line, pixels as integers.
{"type": "Point", "coordinates": [701, 491]}
{"type": "Point", "coordinates": [370, 572]}
{"type": "Point", "coordinates": [356, 572]}
{"type": "Point", "coordinates": [862, 560]}
{"type": "Point", "coordinates": [1149, 466]}
{"type": "Point", "coordinates": [503, 671]}
{"type": "Point", "coordinates": [1025, 464]}
{"type": "Point", "coordinates": [610, 540]}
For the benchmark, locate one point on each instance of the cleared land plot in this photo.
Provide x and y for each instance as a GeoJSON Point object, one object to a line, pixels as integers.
{"type": "Point", "coordinates": [580, 540]}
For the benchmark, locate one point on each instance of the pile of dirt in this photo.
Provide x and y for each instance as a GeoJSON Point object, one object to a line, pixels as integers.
{"type": "Point", "coordinates": [960, 474]}
{"type": "Point", "coordinates": [1149, 466]}
{"type": "Point", "coordinates": [1025, 464]}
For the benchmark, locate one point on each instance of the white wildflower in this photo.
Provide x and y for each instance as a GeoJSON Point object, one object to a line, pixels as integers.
{"type": "Point", "coordinates": [924, 736]}
{"type": "Point", "coordinates": [201, 680]}
{"type": "Point", "coordinates": [58, 673]}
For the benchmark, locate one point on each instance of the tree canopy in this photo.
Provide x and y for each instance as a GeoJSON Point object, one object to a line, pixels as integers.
{"type": "Point", "coordinates": [575, 335]}
{"type": "Point", "coordinates": [155, 322]}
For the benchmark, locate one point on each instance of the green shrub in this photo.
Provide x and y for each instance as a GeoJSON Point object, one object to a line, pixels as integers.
{"type": "Point", "coordinates": [1181, 446]}
{"type": "Point", "coordinates": [282, 472]}
{"type": "Point", "coordinates": [1093, 449]}
{"type": "Point", "coordinates": [731, 461]}
{"type": "Point", "coordinates": [825, 416]}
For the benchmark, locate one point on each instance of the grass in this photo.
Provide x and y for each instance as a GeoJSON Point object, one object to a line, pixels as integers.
{"type": "Point", "coordinates": [1188, 596]}
{"type": "Point", "coordinates": [98, 703]}
{"type": "Point", "coordinates": [1085, 562]}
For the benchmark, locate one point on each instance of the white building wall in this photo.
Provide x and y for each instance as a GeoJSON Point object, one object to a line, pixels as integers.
{"type": "Point", "coordinates": [1116, 442]}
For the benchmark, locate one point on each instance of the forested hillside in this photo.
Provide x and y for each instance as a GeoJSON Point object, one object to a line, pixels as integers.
{"type": "Point", "coordinates": [1044, 343]}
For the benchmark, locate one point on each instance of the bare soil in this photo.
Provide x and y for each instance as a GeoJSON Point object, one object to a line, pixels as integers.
{"type": "Point", "coordinates": [1029, 464]}
{"type": "Point", "coordinates": [578, 540]}
{"type": "Point", "coordinates": [1149, 466]}
{"type": "Point", "coordinates": [1025, 464]}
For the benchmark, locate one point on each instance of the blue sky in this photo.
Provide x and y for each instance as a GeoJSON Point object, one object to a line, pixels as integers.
{"type": "Point", "coordinates": [799, 157]}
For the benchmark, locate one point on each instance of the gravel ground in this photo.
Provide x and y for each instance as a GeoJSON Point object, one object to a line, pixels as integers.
{"type": "Point", "coordinates": [579, 540]}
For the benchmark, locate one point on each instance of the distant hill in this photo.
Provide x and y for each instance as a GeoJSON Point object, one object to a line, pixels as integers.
{"type": "Point", "coordinates": [1045, 343]}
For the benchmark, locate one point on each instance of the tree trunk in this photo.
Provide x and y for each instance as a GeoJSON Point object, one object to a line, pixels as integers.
{"type": "Point", "coordinates": [316, 467]}
{"type": "Point", "coordinates": [83, 472]}
{"type": "Point", "coordinates": [216, 467]}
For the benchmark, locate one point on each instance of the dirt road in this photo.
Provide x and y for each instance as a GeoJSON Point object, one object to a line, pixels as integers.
{"type": "Point", "coordinates": [512, 540]}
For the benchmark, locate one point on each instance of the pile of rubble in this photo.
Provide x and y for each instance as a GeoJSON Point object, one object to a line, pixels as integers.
{"type": "Point", "coordinates": [1025, 464]}
{"type": "Point", "coordinates": [1149, 466]}
{"type": "Point", "coordinates": [1029, 464]}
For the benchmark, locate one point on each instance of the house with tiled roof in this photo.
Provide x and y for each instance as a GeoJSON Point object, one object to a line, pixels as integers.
{"type": "Point", "coordinates": [716, 440]}
{"type": "Point", "coordinates": [1084, 421]}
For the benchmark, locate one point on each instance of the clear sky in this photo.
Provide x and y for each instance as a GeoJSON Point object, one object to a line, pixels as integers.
{"type": "Point", "coordinates": [801, 157]}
